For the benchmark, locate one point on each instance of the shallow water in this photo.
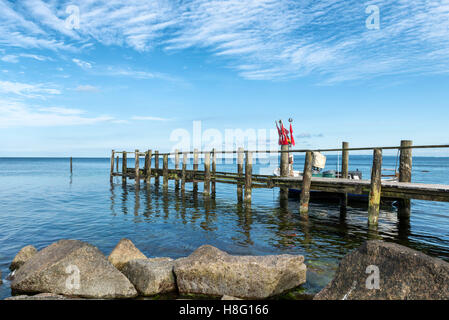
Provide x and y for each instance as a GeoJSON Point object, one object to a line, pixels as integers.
{"type": "Point", "coordinates": [40, 203]}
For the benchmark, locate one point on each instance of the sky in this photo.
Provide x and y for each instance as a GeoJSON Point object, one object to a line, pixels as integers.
{"type": "Point", "coordinates": [79, 78]}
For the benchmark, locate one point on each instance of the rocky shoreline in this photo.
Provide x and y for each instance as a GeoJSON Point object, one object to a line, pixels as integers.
{"type": "Point", "coordinates": [72, 269]}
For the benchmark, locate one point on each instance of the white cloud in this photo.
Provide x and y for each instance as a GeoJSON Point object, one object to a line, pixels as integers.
{"type": "Point", "coordinates": [82, 64]}
{"type": "Point", "coordinates": [10, 58]}
{"type": "Point", "coordinates": [148, 118]}
{"type": "Point", "coordinates": [39, 90]}
{"type": "Point", "coordinates": [86, 88]}
{"type": "Point", "coordinates": [15, 58]}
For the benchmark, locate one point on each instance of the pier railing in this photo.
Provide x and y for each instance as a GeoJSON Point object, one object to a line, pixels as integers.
{"type": "Point", "coordinates": [375, 188]}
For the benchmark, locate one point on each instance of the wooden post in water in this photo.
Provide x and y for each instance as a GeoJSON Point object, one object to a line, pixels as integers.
{"type": "Point", "coordinates": [284, 171]}
{"type": "Point", "coordinates": [374, 194]}
{"type": "Point", "coordinates": [71, 166]}
{"type": "Point", "coordinates": [306, 182]}
{"type": "Point", "coordinates": [156, 166]}
{"type": "Point", "coordinates": [248, 175]}
{"type": "Point", "coordinates": [112, 164]}
{"type": "Point", "coordinates": [148, 155]}
{"type": "Point", "coordinates": [405, 175]}
{"type": "Point", "coordinates": [195, 169]}
{"type": "Point", "coordinates": [240, 172]}
{"type": "Point", "coordinates": [206, 191]}
{"type": "Point", "coordinates": [137, 169]}
{"type": "Point", "coordinates": [165, 170]}
{"type": "Point", "coordinates": [183, 173]}
{"type": "Point", "coordinates": [116, 164]}
{"type": "Point", "coordinates": [177, 168]}
{"type": "Point", "coordinates": [344, 172]}
{"type": "Point", "coordinates": [214, 170]}
{"type": "Point", "coordinates": [124, 166]}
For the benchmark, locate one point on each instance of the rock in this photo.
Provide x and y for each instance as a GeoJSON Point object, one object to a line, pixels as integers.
{"type": "Point", "coordinates": [123, 252]}
{"type": "Point", "coordinates": [211, 271]}
{"type": "Point", "coordinates": [42, 296]}
{"type": "Point", "coordinates": [151, 276]}
{"type": "Point", "coordinates": [404, 274]}
{"type": "Point", "coordinates": [22, 256]}
{"type": "Point", "coordinates": [229, 298]}
{"type": "Point", "coordinates": [73, 268]}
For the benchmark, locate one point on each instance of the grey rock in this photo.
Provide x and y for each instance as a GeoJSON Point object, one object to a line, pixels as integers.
{"type": "Point", "coordinates": [123, 252]}
{"type": "Point", "coordinates": [404, 274]}
{"type": "Point", "coordinates": [151, 276]}
{"type": "Point", "coordinates": [211, 271]}
{"type": "Point", "coordinates": [229, 298]}
{"type": "Point", "coordinates": [22, 256]}
{"type": "Point", "coordinates": [73, 268]}
{"type": "Point", "coordinates": [42, 296]}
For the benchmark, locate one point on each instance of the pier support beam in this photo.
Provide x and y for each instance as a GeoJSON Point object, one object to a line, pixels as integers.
{"type": "Point", "coordinates": [176, 168]}
{"type": "Point", "coordinates": [206, 189]}
{"type": "Point", "coordinates": [137, 169]}
{"type": "Point", "coordinates": [124, 166]}
{"type": "Point", "coordinates": [183, 173]}
{"type": "Point", "coordinates": [344, 175]}
{"type": "Point", "coordinates": [148, 156]}
{"type": "Point", "coordinates": [214, 170]}
{"type": "Point", "coordinates": [284, 172]}
{"type": "Point", "coordinates": [156, 167]}
{"type": "Point", "coordinates": [306, 182]}
{"type": "Point", "coordinates": [112, 163]}
{"type": "Point", "coordinates": [116, 164]}
{"type": "Point", "coordinates": [195, 169]}
{"type": "Point", "coordinates": [240, 173]}
{"type": "Point", "coordinates": [405, 175]}
{"type": "Point", "coordinates": [165, 170]}
{"type": "Point", "coordinates": [374, 194]}
{"type": "Point", "coordinates": [248, 176]}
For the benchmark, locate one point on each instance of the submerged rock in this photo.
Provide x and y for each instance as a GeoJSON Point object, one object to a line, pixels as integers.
{"type": "Point", "coordinates": [123, 252]}
{"type": "Point", "coordinates": [22, 256]}
{"type": "Point", "coordinates": [211, 271]}
{"type": "Point", "coordinates": [402, 273]}
{"type": "Point", "coordinates": [42, 296]}
{"type": "Point", "coordinates": [151, 276]}
{"type": "Point", "coordinates": [73, 268]}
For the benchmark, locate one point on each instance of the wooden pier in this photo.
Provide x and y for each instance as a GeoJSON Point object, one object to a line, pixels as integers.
{"type": "Point", "coordinates": [375, 188]}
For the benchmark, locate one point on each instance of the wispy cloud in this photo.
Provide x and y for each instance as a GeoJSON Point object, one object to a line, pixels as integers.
{"type": "Point", "coordinates": [39, 90]}
{"type": "Point", "coordinates": [82, 64]}
{"type": "Point", "coordinates": [12, 58]}
{"type": "Point", "coordinates": [87, 88]}
{"type": "Point", "coordinates": [148, 118]}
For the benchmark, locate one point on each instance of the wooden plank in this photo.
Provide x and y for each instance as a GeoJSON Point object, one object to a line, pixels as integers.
{"type": "Point", "coordinates": [306, 182]}
{"type": "Point", "coordinates": [374, 195]}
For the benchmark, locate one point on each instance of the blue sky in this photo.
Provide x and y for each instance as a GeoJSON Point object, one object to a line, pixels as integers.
{"type": "Point", "coordinates": [128, 73]}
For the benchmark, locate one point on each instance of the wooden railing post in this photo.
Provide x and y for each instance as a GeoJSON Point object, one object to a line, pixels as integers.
{"type": "Point", "coordinates": [176, 168]}
{"type": "Point", "coordinates": [195, 169]}
{"type": "Point", "coordinates": [374, 194]}
{"type": "Point", "coordinates": [206, 191]}
{"type": "Point", "coordinates": [405, 175]}
{"type": "Point", "coordinates": [344, 172]}
{"type": "Point", "coordinates": [137, 169]}
{"type": "Point", "coordinates": [306, 182]}
{"type": "Point", "coordinates": [248, 175]}
{"type": "Point", "coordinates": [240, 173]}
{"type": "Point", "coordinates": [183, 173]}
{"type": "Point", "coordinates": [214, 170]}
{"type": "Point", "coordinates": [124, 166]}
{"type": "Point", "coordinates": [165, 170]}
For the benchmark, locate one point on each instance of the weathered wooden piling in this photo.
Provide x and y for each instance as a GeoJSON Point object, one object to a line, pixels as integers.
{"type": "Point", "coordinates": [137, 169]}
{"type": "Point", "coordinates": [248, 175]}
{"type": "Point", "coordinates": [124, 166]}
{"type": "Point", "coordinates": [240, 173]}
{"type": "Point", "coordinates": [156, 166]}
{"type": "Point", "coordinates": [206, 190]}
{"type": "Point", "coordinates": [195, 168]}
{"type": "Point", "coordinates": [214, 170]}
{"type": "Point", "coordinates": [148, 156]}
{"type": "Point", "coordinates": [165, 170]}
{"type": "Point", "coordinates": [375, 189]}
{"type": "Point", "coordinates": [176, 168]}
{"type": "Point", "coordinates": [71, 166]}
{"type": "Point", "coordinates": [112, 163]}
{"type": "Point", "coordinates": [306, 182]}
{"type": "Point", "coordinates": [405, 175]}
{"type": "Point", "coordinates": [284, 171]}
{"type": "Point", "coordinates": [344, 172]}
{"type": "Point", "coordinates": [116, 164]}
{"type": "Point", "coordinates": [183, 172]}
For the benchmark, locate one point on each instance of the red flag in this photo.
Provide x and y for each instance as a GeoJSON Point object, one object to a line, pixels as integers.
{"type": "Point", "coordinates": [291, 134]}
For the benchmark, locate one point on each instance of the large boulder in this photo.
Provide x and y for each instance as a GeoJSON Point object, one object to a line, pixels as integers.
{"type": "Point", "coordinates": [73, 268]}
{"type": "Point", "coordinates": [151, 276]}
{"type": "Point", "coordinates": [382, 270]}
{"type": "Point", "coordinates": [123, 252]}
{"type": "Point", "coordinates": [211, 271]}
{"type": "Point", "coordinates": [22, 256]}
{"type": "Point", "coordinates": [42, 296]}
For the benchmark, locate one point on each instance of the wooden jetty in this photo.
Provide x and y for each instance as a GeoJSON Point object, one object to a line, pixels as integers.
{"type": "Point", "coordinates": [375, 188]}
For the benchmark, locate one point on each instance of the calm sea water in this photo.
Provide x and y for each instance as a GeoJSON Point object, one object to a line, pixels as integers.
{"type": "Point", "coordinates": [40, 203]}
